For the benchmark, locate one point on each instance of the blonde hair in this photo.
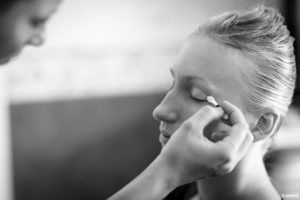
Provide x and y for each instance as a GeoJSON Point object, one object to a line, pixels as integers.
{"type": "Point", "coordinates": [261, 35]}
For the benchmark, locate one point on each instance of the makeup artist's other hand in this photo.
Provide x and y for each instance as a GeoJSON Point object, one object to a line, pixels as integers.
{"type": "Point", "coordinates": [191, 156]}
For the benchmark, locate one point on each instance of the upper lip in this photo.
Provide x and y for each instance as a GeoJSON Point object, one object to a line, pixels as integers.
{"type": "Point", "coordinates": [165, 134]}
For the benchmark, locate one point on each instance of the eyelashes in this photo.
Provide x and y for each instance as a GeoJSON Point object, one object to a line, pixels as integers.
{"type": "Point", "coordinates": [198, 100]}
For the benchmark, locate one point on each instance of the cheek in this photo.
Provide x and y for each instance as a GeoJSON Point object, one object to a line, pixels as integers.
{"type": "Point", "coordinates": [9, 40]}
{"type": "Point", "coordinates": [189, 109]}
{"type": "Point", "coordinates": [215, 126]}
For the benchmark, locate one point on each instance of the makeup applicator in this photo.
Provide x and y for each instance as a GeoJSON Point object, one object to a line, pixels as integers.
{"type": "Point", "coordinates": [211, 100]}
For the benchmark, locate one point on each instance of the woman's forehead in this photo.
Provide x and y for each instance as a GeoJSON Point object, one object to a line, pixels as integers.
{"type": "Point", "coordinates": [34, 8]}
{"type": "Point", "coordinates": [44, 7]}
{"type": "Point", "coordinates": [205, 55]}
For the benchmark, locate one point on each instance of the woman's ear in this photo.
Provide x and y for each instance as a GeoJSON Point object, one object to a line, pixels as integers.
{"type": "Point", "coordinates": [267, 125]}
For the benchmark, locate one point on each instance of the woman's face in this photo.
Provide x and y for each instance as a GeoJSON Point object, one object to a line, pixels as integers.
{"type": "Point", "coordinates": [203, 68]}
{"type": "Point", "coordinates": [23, 24]}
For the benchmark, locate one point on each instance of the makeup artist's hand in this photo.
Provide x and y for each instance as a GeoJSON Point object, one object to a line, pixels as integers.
{"type": "Point", "coordinates": [191, 156]}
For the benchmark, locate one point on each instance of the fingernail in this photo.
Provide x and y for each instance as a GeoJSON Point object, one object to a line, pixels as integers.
{"type": "Point", "coordinates": [225, 117]}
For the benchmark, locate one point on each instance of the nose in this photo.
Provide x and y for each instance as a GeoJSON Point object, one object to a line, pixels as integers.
{"type": "Point", "coordinates": [166, 111]}
{"type": "Point", "coordinates": [37, 38]}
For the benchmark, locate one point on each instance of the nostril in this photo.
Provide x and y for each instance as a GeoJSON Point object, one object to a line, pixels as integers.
{"type": "Point", "coordinates": [172, 117]}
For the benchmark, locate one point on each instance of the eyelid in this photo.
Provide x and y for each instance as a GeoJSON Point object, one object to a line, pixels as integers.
{"type": "Point", "coordinates": [197, 94]}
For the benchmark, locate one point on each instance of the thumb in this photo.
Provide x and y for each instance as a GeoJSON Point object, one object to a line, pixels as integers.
{"type": "Point", "coordinates": [219, 135]}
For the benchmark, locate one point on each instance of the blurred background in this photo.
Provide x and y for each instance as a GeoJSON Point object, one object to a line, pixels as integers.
{"type": "Point", "coordinates": [80, 107]}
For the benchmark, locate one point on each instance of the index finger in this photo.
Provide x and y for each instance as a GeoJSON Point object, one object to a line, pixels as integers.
{"type": "Point", "coordinates": [206, 115]}
{"type": "Point", "coordinates": [233, 112]}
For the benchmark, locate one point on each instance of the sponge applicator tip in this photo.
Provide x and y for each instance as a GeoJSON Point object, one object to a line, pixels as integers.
{"type": "Point", "coordinates": [212, 100]}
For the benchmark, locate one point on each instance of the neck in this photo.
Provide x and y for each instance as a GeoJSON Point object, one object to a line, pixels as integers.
{"type": "Point", "coordinates": [249, 180]}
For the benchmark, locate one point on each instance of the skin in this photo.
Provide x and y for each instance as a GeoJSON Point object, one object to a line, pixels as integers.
{"type": "Point", "coordinates": [24, 24]}
{"type": "Point", "coordinates": [193, 81]}
{"type": "Point", "coordinates": [198, 157]}
{"type": "Point", "coordinates": [196, 75]}
{"type": "Point", "coordinates": [187, 122]}
{"type": "Point", "coordinates": [220, 76]}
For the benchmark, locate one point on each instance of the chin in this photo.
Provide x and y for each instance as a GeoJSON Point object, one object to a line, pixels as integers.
{"type": "Point", "coordinates": [163, 140]}
{"type": "Point", "coordinates": [4, 61]}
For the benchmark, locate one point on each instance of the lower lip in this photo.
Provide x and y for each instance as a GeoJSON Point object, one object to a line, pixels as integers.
{"type": "Point", "coordinates": [163, 139]}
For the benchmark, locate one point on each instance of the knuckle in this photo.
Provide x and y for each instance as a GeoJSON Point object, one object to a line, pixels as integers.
{"type": "Point", "coordinates": [227, 155]}
{"type": "Point", "coordinates": [225, 169]}
{"type": "Point", "coordinates": [244, 126]}
{"type": "Point", "coordinates": [231, 147]}
{"type": "Point", "coordinates": [250, 136]}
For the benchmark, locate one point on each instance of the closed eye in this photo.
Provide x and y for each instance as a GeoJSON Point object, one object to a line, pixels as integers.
{"type": "Point", "coordinates": [38, 22]}
{"type": "Point", "coordinates": [197, 95]}
{"type": "Point", "coordinates": [198, 100]}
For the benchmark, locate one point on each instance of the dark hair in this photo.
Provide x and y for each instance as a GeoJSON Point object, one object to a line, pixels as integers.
{"type": "Point", "coordinates": [5, 5]}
